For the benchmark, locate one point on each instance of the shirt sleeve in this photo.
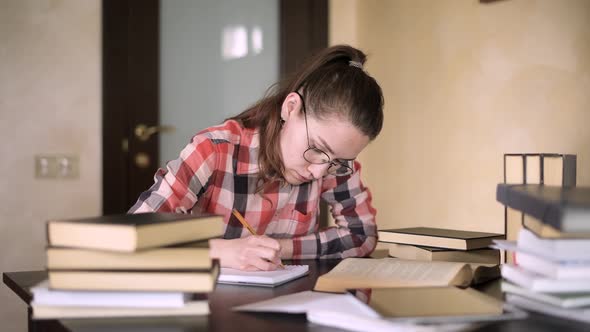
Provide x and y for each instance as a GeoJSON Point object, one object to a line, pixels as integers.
{"type": "Point", "coordinates": [355, 233]}
{"type": "Point", "coordinates": [177, 188]}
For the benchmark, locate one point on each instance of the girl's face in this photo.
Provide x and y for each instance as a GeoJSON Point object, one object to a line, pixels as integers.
{"type": "Point", "coordinates": [337, 137]}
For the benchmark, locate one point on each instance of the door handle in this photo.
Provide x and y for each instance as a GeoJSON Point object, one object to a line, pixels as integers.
{"type": "Point", "coordinates": [143, 132]}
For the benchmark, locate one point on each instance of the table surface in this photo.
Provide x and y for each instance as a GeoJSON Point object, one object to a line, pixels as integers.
{"type": "Point", "coordinates": [222, 318]}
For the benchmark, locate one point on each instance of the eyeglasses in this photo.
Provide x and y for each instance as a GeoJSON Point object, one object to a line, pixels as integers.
{"type": "Point", "coordinates": [313, 155]}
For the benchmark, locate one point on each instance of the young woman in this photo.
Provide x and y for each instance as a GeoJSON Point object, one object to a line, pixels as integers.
{"type": "Point", "coordinates": [276, 160]}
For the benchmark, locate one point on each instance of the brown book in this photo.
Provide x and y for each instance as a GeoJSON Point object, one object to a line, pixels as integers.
{"type": "Point", "coordinates": [547, 231]}
{"type": "Point", "coordinates": [356, 273]}
{"type": "Point", "coordinates": [193, 280]}
{"type": "Point", "coordinates": [426, 302]}
{"type": "Point", "coordinates": [439, 237]}
{"type": "Point", "coordinates": [131, 232]}
{"type": "Point", "coordinates": [422, 253]}
{"type": "Point", "coordinates": [185, 257]}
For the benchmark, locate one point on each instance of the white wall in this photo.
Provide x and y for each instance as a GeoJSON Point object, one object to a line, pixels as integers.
{"type": "Point", "coordinates": [50, 102]}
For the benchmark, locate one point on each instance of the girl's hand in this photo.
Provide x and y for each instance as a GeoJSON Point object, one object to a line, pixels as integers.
{"type": "Point", "coordinates": [252, 253]}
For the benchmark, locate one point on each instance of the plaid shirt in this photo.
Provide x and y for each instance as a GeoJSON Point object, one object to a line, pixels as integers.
{"type": "Point", "coordinates": [217, 172]}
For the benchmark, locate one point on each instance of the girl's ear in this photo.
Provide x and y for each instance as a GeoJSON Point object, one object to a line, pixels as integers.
{"type": "Point", "coordinates": [291, 106]}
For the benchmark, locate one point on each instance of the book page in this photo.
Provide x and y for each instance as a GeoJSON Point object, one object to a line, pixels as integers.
{"type": "Point", "coordinates": [306, 301]}
{"type": "Point", "coordinates": [392, 272]}
{"type": "Point", "coordinates": [275, 277]}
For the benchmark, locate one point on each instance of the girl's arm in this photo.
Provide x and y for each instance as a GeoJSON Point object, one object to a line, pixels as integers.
{"type": "Point", "coordinates": [355, 233]}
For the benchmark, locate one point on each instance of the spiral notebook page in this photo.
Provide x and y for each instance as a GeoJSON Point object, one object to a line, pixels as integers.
{"type": "Point", "coordinates": [262, 278]}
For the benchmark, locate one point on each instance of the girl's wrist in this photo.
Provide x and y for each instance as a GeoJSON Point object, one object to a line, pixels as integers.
{"type": "Point", "coordinates": [286, 248]}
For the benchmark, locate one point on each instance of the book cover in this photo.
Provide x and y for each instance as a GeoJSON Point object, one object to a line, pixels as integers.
{"type": "Point", "coordinates": [131, 232]}
{"type": "Point", "coordinates": [558, 249]}
{"type": "Point", "coordinates": [425, 302]}
{"type": "Point", "coordinates": [439, 237]}
{"type": "Point", "coordinates": [566, 209]}
{"type": "Point", "coordinates": [406, 251]}
{"type": "Point", "coordinates": [191, 280]}
{"type": "Point", "coordinates": [566, 300]}
{"type": "Point", "coordinates": [578, 314]}
{"type": "Point", "coordinates": [539, 283]}
{"type": "Point", "coordinates": [181, 257]}
{"type": "Point", "coordinates": [556, 269]}
{"type": "Point", "coordinates": [546, 231]}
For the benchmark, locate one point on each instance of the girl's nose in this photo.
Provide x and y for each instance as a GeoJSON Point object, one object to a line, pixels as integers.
{"type": "Point", "coordinates": [318, 171]}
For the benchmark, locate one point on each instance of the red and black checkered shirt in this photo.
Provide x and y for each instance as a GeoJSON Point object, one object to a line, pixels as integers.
{"type": "Point", "coordinates": [217, 172]}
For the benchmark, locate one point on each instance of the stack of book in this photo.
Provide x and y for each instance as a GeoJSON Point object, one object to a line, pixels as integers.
{"type": "Point", "coordinates": [553, 169]}
{"type": "Point", "coordinates": [438, 244]}
{"type": "Point", "coordinates": [153, 264]}
{"type": "Point", "coordinates": [550, 272]}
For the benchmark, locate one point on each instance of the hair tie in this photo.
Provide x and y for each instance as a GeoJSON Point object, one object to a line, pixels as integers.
{"type": "Point", "coordinates": [355, 64]}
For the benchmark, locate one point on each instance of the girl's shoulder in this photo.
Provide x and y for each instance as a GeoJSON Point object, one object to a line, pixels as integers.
{"type": "Point", "coordinates": [228, 132]}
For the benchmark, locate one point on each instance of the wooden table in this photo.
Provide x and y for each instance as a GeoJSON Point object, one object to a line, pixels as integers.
{"type": "Point", "coordinates": [222, 318]}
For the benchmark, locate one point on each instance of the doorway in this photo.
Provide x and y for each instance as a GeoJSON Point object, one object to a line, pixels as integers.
{"type": "Point", "coordinates": [132, 85]}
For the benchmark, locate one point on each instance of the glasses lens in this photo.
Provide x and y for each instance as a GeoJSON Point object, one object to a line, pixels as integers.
{"type": "Point", "coordinates": [339, 169]}
{"type": "Point", "coordinates": [316, 156]}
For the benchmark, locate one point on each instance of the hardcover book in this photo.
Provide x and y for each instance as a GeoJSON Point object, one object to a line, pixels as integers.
{"type": "Point", "coordinates": [406, 251]}
{"type": "Point", "coordinates": [131, 232]}
{"type": "Point", "coordinates": [191, 280]}
{"type": "Point", "coordinates": [565, 209]}
{"type": "Point", "coordinates": [546, 231]}
{"type": "Point", "coordinates": [439, 237]}
{"type": "Point", "coordinates": [425, 302]}
{"type": "Point", "coordinates": [169, 258]}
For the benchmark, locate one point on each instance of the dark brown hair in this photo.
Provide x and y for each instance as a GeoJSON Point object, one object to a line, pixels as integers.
{"type": "Point", "coordinates": [331, 86]}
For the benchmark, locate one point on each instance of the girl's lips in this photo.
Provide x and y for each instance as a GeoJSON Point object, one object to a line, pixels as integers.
{"type": "Point", "coordinates": [301, 178]}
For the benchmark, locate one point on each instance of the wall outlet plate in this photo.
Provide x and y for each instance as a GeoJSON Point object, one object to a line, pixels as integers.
{"type": "Point", "coordinates": [57, 166]}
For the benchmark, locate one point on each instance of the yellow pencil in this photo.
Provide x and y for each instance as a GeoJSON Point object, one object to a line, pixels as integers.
{"type": "Point", "coordinates": [247, 225]}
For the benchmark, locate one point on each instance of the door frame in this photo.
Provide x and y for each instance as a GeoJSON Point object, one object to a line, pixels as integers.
{"type": "Point", "coordinates": [131, 82]}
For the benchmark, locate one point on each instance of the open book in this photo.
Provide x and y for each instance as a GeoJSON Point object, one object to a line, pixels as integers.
{"type": "Point", "coordinates": [354, 273]}
{"type": "Point", "coordinates": [262, 278]}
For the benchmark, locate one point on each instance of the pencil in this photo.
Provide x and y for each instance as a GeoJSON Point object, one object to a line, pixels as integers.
{"type": "Point", "coordinates": [243, 221]}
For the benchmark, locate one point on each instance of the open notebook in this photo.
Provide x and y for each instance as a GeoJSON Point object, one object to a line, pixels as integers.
{"type": "Point", "coordinates": [262, 278]}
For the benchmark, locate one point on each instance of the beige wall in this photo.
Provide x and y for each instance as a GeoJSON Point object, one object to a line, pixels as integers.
{"type": "Point", "coordinates": [465, 82]}
{"type": "Point", "coordinates": [49, 103]}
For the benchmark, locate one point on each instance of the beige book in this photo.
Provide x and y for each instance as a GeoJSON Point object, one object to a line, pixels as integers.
{"type": "Point", "coordinates": [132, 232]}
{"type": "Point", "coordinates": [422, 253]}
{"type": "Point", "coordinates": [432, 302]}
{"type": "Point", "coordinates": [193, 281]}
{"type": "Point", "coordinates": [354, 273]}
{"type": "Point", "coordinates": [439, 237]}
{"type": "Point", "coordinates": [151, 259]}
{"type": "Point", "coordinates": [547, 231]}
